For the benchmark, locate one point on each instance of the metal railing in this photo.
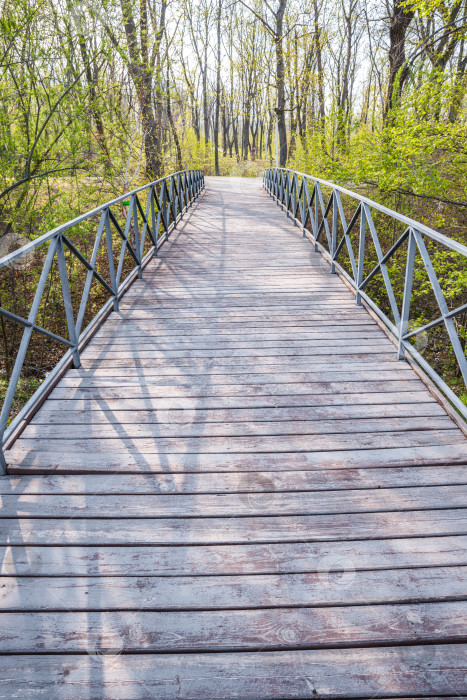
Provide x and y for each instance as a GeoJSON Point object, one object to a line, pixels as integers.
{"type": "Point", "coordinates": [166, 200]}
{"type": "Point", "coordinates": [301, 195]}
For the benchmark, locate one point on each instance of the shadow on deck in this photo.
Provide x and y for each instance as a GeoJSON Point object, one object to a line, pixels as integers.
{"type": "Point", "coordinates": [242, 493]}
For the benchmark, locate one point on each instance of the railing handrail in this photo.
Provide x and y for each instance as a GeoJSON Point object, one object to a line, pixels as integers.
{"type": "Point", "coordinates": [435, 235]}
{"type": "Point", "coordinates": [284, 186]}
{"type": "Point", "coordinates": [32, 245]}
{"type": "Point", "coordinates": [163, 209]}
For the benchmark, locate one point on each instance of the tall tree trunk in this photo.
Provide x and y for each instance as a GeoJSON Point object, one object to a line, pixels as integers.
{"type": "Point", "coordinates": [205, 96]}
{"type": "Point", "coordinates": [319, 65]}
{"type": "Point", "coordinates": [225, 130]}
{"type": "Point", "coordinates": [144, 72]}
{"type": "Point", "coordinates": [218, 92]}
{"type": "Point", "coordinates": [261, 138]}
{"type": "Point", "coordinates": [398, 70]}
{"type": "Point", "coordinates": [235, 137]}
{"type": "Point", "coordinates": [459, 86]}
{"type": "Point", "coordinates": [280, 83]}
{"type": "Point", "coordinates": [174, 130]}
{"type": "Point", "coordinates": [246, 130]}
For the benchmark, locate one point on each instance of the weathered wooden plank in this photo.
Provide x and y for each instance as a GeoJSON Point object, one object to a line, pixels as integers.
{"type": "Point", "coordinates": [336, 583]}
{"type": "Point", "coordinates": [310, 400]}
{"type": "Point", "coordinates": [269, 364]}
{"type": "Point", "coordinates": [186, 429]}
{"type": "Point", "coordinates": [115, 324]}
{"type": "Point", "coordinates": [285, 290]}
{"type": "Point", "coordinates": [258, 292]}
{"type": "Point", "coordinates": [266, 502]}
{"type": "Point", "coordinates": [248, 283]}
{"type": "Point", "coordinates": [248, 389]}
{"type": "Point", "coordinates": [367, 349]}
{"type": "Point", "coordinates": [296, 288]}
{"type": "Point", "coordinates": [49, 416]}
{"type": "Point", "coordinates": [381, 672]}
{"type": "Point", "coordinates": [93, 380]}
{"type": "Point", "coordinates": [206, 275]}
{"type": "Point", "coordinates": [163, 314]}
{"type": "Point", "coordinates": [134, 333]}
{"type": "Point", "coordinates": [158, 359]}
{"type": "Point", "coordinates": [293, 314]}
{"type": "Point", "coordinates": [210, 337]}
{"type": "Point", "coordinates": [376, 344]}
{"type": "Point", "coordinates": [241, 304]}
{"type": "Point", "coordinates": [234, 560]}
{"type": "Point", "coordinates": [185, 270]}
{"type": "Point", "coordinates": [249, 444]}
{"type": "Point", "coordinates": [237, 630]}
{"type": "Point", "coordinates": [234, 299]}
{"type": "Point", "coordinates": [20, 459]}
{"type": "Point", "coordinates": [179, 531]}
{"type": "Point", "coordinates": [242, 402]}
{"type": "Point", "coordinates": [235, 482]}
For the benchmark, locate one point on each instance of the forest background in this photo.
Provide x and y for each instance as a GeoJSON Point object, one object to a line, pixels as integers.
{"type": "Point", "coordinates": [100, 97]}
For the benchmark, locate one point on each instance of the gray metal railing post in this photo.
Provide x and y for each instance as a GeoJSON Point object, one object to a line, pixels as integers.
{"type": "Point", "coordinates": [361, 254]}
{"type": "Point", "coordinates": [171, 207]}
{"type": "Point", "coordinates": [110, 257]}
{"type": "Point", "coordinates": [154, 227]}
{"type": "Point", "coordinates": [134, 209]}
{"type": "Point", "coordinates": [70, 320]}
{"type": "Point", "coordinates": [316, 226]}
{"type": "Point", "coordinates": [305, 205]}
{"type": "Point", "coordinates": [334, 232]}
{"type": "Point", "coordinates": [408, 283]}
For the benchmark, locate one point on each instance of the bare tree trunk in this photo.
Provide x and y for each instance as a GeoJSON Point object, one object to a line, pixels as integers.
{"type": "Point", "coordinates": [261, 138]}
{"type": "Point", "coordinates": [225, 131]}
{"type": "Point", "coordinates": [459, 86]}
{"type": "Point", "coordinates": [218, 92]}
{"type": "Point", "coordinates": [280, 82]}
{"type": "Point", "coordinates": [143, 71]}
{"type": "Point", "coordinates": [194, 106]}
{"type": "Point", "coordinates": [205, 95]}
{"type": "Point", "coordinates": [398, 70]}
{"type": "Point", "coordinates": [319, 65]}
{"type": "Point", "coordinates": [235, 137]}
{"type": "Point", "coordinates": [174, 130]}
{"type": "Point", "coordinates": [246, 130]}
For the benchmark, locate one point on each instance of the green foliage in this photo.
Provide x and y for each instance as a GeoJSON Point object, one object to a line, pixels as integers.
{"type": "Point", "coordinates": [420, 150]}
{"type": "Point", "coordinates": [429, 7]}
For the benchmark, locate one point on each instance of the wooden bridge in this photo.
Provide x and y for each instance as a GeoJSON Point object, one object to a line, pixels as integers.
{"type": "Point", "coordinates": [242, 492]}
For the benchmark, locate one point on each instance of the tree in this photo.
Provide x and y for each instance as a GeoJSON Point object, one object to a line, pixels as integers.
{"type": "Point", "coordinates": [399, 21]}
{"type": "Point", "coordinates": [144, 62]}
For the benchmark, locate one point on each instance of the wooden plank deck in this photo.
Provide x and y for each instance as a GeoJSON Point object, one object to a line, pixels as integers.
{"type": "Point", "coordinates": [241, 494]}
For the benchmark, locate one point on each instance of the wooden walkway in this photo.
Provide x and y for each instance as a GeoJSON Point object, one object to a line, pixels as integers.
{"type": "Point", "coordinates": [241, 494]}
